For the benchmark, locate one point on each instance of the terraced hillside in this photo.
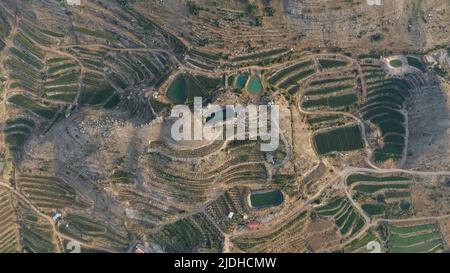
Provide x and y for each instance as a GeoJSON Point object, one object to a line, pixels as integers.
{"type": "Point", "coordinates": [414, 238]}
{"type": "Point", "coordinates": [344, 215]}
{"type": "Point", "coordinates": [385, 196]}
{"type": "Point", "coordinates": [89, 156]}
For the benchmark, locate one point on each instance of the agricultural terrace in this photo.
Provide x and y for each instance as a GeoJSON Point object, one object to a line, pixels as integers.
{"type": "Point", "coordinates": [228, 210]}
{"type": "Point", "coordinates": [417, 63]}
{"type": "Point", "coordinates": [293, 74]}
{"type": "Point", "coordinates": [5, 28]}
{"type": "Point", "coordinates": [332, 63]}
{"type": "Point", "coordinates": [88, 230]}
{"type": "Point", "coordinates": [36, 234]}
{"type": "Point", "coordinates": [132, 68]}
{"type": "Point", "coordinates": [63, 79]}
{"type": "Point", "coordinates": [324, 121]}
{"type": "Point", "coordinates": [285, 237]}
{"type": "Point", "coordinates": [382, 196]}
{"type": "Point", "coordinates": [46, 77]}
{"type": "Point", "coordinates": [203, 59]}
{"type": "Point", "coordinates": [193, 234]}
{"type": "Point", "coordinates": [331, 102]}
{"type": "Point", "coordinates": [8, 228]}
{"type": "Point", "coordinates": [118, 59]}
{"type": "Point", "coordinates": [260, 57]}
{"type": "Point", "coordinates": [343, 214]}
{"type": "Point", "coordinates": [17, 131]}
{"type": "Point", "coordinates": [410, 238]}
{"type": "Point", "coordinates": [153, 211]}
{"type": "Point", "coordinates": [384, 108]}
{"type": "Point", "coordinates": [335, 91]}
{"type": "Point", "coordinates": [49, 193]}
{"type": "Point", "coordinates": [32, 106]}
{"type": "Point", "coordinates": [339, 139]}
{"type": "Point", "coordinates": [191, 186]}
{"type": "Point", "coordinates": [361, 244]}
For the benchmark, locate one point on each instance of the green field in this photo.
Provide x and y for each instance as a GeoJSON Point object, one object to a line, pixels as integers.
{"type": "Point", "coordinates": [86, 228]}
{"type": "Point", "coordinates": [328, 90]}
{"type": "Point", "coordinates": [367, 178]}
{"type": "Point", "coordinates": [373, 209]}
{"type": "Point", "coordinates": [102, 95]}
{"type": "Point", "coordinates": [18, 130]}
{"type": "Point", "coordinates": [189, 234]}
{"type": "Point", "coordinates": [30, 46]}
{"type": "Point", "coordinates": [344, 215]}
{"type": "Point", "coordinates": [341, 139]}
{"type": "Point", "coordinates": [330, 80]}
{"type": "Point", "coordinates": [124, 177]}
{"type": "Point", "coordinates": [324, 63]}
{"type": "Point", "coordinates": [386, 196]}
{"type": "Point", "coordinates": [322, 119]}
{"type": "Point", "coordinates": [385, 98]}
{"type": "Point", "coordinates": [259, 55]}
{"type": "Point", "coordinates": [96, 33]}
{"type": "Point", "coordinates": [58, 68]}
{"type": "Point", "coordinates": [30, 105]}
{"type": "Point", "coordinates": [113, 101]}
{"type": "Point", "coordinates": [29, 59]}
{"type": "Point", "coordinates": [412, 61]}
{"type": "Point", "coordinates": [277, 77]}
{"type": "Point", "coordinates": [360, 245]}
{"type": "Point", "coordinates": [374, 188]}
{"type": "Point", "coordinates": [333, 102]}
{"type": "Point", "coordinates": [295, 78]}
{"type": "Point", "coordinates": [414, 238]}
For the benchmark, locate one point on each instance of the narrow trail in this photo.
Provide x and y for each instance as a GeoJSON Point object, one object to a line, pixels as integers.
{"type": "Point", "coordinates": [227, 244]}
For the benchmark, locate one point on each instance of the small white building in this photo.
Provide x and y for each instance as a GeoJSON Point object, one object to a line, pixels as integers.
{"type": "Point", "coordinates": [57, 217]}
{"type": "Point", "coordinates": [230, 215]}
{"type": "Point", "coordinates": [74, 2]}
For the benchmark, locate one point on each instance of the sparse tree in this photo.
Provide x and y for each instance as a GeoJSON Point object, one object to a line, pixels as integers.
{"type": "Point", "coordinates": [269, 11]}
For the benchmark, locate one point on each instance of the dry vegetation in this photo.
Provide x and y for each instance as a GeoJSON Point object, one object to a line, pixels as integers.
{"type": "Point", "coordinates": [86, 93]}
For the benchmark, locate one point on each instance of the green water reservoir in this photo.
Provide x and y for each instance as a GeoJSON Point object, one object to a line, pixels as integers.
{"type": "Point", "coordinates": [177, 91]}
{"type": "Point", "coordinates": [241, 81]}
{"type": "Point", "coordinates": [254, 85]}
{"type": "Point", "coordinates": [267, 199]}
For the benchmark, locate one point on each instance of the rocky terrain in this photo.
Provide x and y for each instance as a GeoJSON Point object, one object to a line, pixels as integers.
{"type": "Point", "coordinates": [86, 151]}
